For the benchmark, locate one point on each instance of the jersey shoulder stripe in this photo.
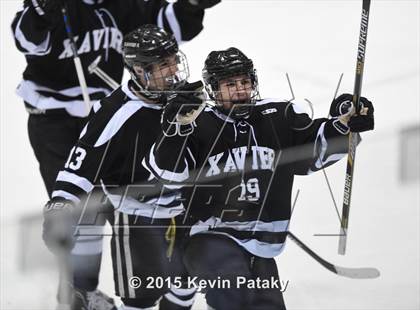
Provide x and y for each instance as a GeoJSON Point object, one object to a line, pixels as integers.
{"type": "Point", "coordinates": [269, 100]}
{"type": "Point", "coordinates": [115, 111]}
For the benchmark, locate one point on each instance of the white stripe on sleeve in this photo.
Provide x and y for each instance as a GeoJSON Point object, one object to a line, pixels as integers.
{"type": "Point", "coordinates": [165, 174]}
{"type": "Point", "coordinates": [41, 49]}
{"type": "Point", "coordinates": [117, 121]}
{"type": "Point", "coordinates": [74, 179]}
{"type": "Point", "coordinates": [65, 195]}
{"type": "Point", "coordinates": [173, 22]}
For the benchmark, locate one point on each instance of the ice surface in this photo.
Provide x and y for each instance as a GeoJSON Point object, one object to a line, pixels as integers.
{"type": "Point", "coordinates": [314, 41]}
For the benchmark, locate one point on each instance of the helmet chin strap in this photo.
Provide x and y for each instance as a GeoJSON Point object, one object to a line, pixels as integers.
{"type": "Point", "coordinates": [241, 108]}
{"type": "Point", "coordinates": [153, 96]}
{"type": "Point", "coordinates": [144, 90]}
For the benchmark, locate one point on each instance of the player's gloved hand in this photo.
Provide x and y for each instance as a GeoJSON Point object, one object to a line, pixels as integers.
{"type": "Point", "coordinates": [347, 119]}
{"type": "Point", "coordinates": [48, 9]}
{"type": "Point", "coordinates": [182, 108]}
{"type": "Point", "coordinates": [59, 225]}
{"type": "Point", "coordinates": [204, 4]}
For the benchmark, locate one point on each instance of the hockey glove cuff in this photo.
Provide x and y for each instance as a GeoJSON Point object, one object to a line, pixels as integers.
{"type": "Point", "coordinates": [346, 117]}
{"type": "Point", "coordinates": [59, 225]}
{"type": "Point", "coordinates": [47, 9]}
{"type": "Point", "coordinates": [182, 108]}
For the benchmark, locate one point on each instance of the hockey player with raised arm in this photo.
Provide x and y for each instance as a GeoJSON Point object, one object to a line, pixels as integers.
{"type": "Point", "coordinates": [50, 87]}
{"type": "Point", "coordinates": [108, 154]}
{"type": "Point", "coordinates": [236, 163]}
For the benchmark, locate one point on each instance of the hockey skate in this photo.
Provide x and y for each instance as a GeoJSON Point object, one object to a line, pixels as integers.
{"type": "Point", "coordinates": [95, 300]}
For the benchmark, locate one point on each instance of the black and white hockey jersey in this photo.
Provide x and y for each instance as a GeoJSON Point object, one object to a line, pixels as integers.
{"type": "Point", "coordinates": [109, 154]}
{"type": "Point", "coordinates": [237, 176]}
{"type": "Point", "coordinates": [50, 80]}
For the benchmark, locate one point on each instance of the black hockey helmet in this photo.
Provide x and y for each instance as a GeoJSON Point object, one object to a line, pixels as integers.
{"type": "Point", "coordinates": [147, 45]}
{"type": "Point", "coordinates": [150, 45]}
{"type": "Point", "coordinates": [228, 63]}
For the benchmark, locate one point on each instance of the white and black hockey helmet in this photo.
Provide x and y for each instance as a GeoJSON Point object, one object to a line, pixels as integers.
{"type": "Point", "coordinates": [150, 45]}
{"type": "Point", "coordinates": [224, 64]}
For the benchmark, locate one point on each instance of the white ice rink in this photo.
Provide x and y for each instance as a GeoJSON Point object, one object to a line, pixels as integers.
{"type": "Point", "coordinates": [314, 41]}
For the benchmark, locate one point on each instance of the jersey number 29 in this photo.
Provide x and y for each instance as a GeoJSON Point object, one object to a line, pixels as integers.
{"type": "Point", "coordinates": [250, 191]}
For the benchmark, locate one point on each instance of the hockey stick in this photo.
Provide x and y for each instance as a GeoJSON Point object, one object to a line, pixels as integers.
{"type": "Point", "coordinates": [354, 137]}
{"type": "Point", "coordinates": [94, 68]}
{"type": "Point", "coordinates": [354, 273]}
{"type": "Point", "coordinates": [76, 59]}
{"type": "Point", "coordinates": [183, 120]}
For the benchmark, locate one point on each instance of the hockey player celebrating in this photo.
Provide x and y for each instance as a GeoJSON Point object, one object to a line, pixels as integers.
{"type": "Point", "coordinates": [109, 152]}
{"type": "Point", "coordinates": [239, 158]}
{"type": "Point", "coordinates": [50, 88]}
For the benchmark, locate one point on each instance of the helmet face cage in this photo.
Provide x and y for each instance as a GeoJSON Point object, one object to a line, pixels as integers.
{"type": "Point", "coordinates": [157, 78]}
{"type": "Point", "coordinates": [154, 61]}
{"type": "Point", "coordinates": [241, 107]}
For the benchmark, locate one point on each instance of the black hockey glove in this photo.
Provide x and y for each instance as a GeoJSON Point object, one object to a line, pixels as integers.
{"type": "Point", "coordinates": [347, 118]}
{"type": "Point", "coordinates": [182, 108]}
{"type": "Point", "coordinates": [204, 4]}
{"type": "Point", "coordinates": [48, 9]}
{"type": "Point", "coordinates": [59, 225]}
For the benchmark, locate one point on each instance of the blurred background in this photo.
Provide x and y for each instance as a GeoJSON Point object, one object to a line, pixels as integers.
{"type": "Point", "coordinates": [314, 42]}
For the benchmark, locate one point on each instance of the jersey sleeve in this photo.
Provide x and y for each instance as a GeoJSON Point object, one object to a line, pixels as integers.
{"type": "Point", "coordinates": [317, 143]}
{"type": "Point", "coordinates": [31, 32]}
{"type": "Point", "coordinates": [89, 159]}
{"type": "Point", "coordinates": [172, 159]}
{"type": "Point", "coordinates": [181, 18]}
{"type": "Point", "coordinates": [81, 171]}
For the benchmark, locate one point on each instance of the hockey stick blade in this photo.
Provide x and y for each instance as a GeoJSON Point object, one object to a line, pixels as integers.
{"type": "Point", "coordinates": [348, 272]}
{"type": "Point", "coordinates": [357, 273]}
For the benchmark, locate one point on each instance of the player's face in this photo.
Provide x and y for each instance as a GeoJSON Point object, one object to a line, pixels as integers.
{"type": "Point", "coordinates": [235, 90]}
{"type": "Point", "coordinates": [163, 75]}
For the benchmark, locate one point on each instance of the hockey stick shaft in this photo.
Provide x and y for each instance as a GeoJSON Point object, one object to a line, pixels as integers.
{"type": "Point", "coordinates": [105, 77]}
{"type": "Point", "coordinates": [354, 137]}
{"type": "Point", "coordinates": [77, 62]}
{"type": "Point", "coordinates": [354, 273]}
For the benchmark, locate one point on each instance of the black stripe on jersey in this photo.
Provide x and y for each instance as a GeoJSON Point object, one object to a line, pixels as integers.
{"type": "Point", "coordinates": [70, 188]}
{"type": "Point", "coordinates": [188, 17]}
{"type": "Point", "coordinates": [183, 297]}
{"type": "Point", "coordinates": [118, 241]}
{"type": "Point", "coordinates": [92, 96]}
{"type": "Point", "coordinates": [262, 236]}
{"type": "Point", "coordinates": [109, 106]}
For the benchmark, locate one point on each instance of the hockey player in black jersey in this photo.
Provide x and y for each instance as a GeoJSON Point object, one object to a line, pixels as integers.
{"type": "Point", "coordinates": [237, 163]}
{"type": "Point", "coordinates": [50, 88]}
{"type": "Point", "coordinates": [108, 154]}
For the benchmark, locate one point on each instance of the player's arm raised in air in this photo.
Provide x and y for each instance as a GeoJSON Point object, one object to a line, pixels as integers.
{"type": "Point", "coordinates": [321, 142]}
{"type": "Point", "coordinates": [174, 155]}
{"type": "Point", "coordinates": [183, 18]}
{"type": "Point", "coordinates": [32, 26]}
